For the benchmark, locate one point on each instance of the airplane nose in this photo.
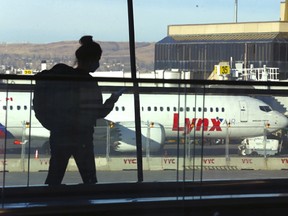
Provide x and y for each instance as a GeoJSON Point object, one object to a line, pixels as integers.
{"type": "Point", "coordinates": [282, 121]}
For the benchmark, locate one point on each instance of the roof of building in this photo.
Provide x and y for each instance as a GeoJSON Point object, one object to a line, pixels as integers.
{"type": "Point", "coordinates": [240, 37]}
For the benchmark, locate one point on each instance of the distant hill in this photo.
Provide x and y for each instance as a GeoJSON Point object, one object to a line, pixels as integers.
{"type": "Point", "coordinates": [115, 55]}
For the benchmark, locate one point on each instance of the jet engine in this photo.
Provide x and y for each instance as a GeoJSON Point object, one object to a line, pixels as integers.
{"type": "Point", "coordinates": [124, 136]}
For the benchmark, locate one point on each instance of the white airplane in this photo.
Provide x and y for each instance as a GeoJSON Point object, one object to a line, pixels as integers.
{"type": "Point", "coordinates": [162, 115]}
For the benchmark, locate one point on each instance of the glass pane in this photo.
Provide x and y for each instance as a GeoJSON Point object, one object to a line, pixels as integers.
{"type": "Point", "coordinates": [50, 39]}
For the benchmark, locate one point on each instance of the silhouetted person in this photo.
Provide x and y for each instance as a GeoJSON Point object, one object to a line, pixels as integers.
{"type": "Point", "coordinates": [69, 109]}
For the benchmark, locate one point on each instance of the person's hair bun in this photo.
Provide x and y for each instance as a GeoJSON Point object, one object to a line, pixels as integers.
{"type": "Point", "coordinates": [88, 50]}
{"type": "Point", "coordinates": [87, 39]}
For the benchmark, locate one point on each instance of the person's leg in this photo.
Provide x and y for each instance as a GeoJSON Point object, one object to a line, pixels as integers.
{"type": "Point", "coordinates": [85, 160]}
{"type": "Point", "coordinates": [59, 159]}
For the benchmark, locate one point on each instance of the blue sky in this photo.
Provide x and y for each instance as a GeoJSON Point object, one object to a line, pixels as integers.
{"type": "Point", "coordinates": [44, 21]}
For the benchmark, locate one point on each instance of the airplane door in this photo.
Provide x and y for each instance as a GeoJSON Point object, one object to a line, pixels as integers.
{"type": "Point", "coordinates": [243, 111]}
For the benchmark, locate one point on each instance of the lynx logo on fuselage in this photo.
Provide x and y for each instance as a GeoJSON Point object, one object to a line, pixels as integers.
{"type": "Point", "coordinates": [212, 124]}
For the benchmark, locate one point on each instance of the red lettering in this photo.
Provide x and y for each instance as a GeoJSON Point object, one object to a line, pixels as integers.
{"type": "Point", "coordinates": [199, 123]}
{"type": "Point", "coordinates": [176, 123]}
{"type": "Point", "coordinates": [209, 161]}
{"type": "Point", "coordinates": [216, 125]}
{"type": "Point", "coordinates": [247, 161]}
{"type": "Point", "coordinates": [203, 122]}
{"type": "Point", "coordinates": [130, 161]}
{"type": "Point", "coordinates": [7, 99]}
{"type": "Point", "coordinates": [169, 161]}
{"type": "Point", "coordinates": [284, 160]}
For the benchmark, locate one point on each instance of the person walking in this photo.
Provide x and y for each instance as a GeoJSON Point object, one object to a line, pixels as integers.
{"type": "Point", "coordinates": [69, 109]}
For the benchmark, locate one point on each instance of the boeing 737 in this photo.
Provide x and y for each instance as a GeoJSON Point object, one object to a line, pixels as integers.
{"type": "Point", "coordinates": [162, 115]}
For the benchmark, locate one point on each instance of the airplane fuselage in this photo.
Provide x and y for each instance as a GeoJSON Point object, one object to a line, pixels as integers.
{"type": "Point", "coordinates": [211, 116]}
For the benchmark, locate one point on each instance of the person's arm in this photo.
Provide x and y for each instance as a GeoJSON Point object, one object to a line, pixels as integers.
{"type": "Point", "coordinates": [109, 103]}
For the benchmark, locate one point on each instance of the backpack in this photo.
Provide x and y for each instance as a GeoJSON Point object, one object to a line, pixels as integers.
{"type": "Point", "coordinates": [50, 98]}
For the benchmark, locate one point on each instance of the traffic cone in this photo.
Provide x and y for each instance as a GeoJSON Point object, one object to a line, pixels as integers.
{"type": "Point", "coordinates": [36, 154]}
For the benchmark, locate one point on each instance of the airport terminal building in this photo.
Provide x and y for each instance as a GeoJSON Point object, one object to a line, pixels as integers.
{"type": "Point", "coordinates": [197, 48]}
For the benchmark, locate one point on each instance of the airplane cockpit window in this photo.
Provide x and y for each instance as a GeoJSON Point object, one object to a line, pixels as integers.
{"type": "Point", "coordinates": [265, 108]}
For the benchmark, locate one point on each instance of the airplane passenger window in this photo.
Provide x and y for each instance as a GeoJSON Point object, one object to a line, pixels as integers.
{"type": "Point", "coordinates": [149, 108]}
{"type": "Point", "coordinates": [161, 108]}
{"type": "Point", "coordinates": [4, 107]}
{"type": "Point", "coordinates": [11, 107]}
{"type": "Point", "coordinates": [205, 109]}
{"type": "Point", "coordinates": [25, 107]}
{"type": "Point", "coordinates": [168, 109]}
{"type": "Point", "coordinates": [123, 108]}
{"type": "Point", "coordinates": [18, 107]}
{"type": "Point", "coordinates": [155, 109]}
{"type": "Point", "coordinates": [211, 109]}
{"type": "Point", "coordinates": [223, 109]}
{"type": "Point", "coordinates": [181, 109]}
{"type": "Point", "coordinates": [217, 109]}
{"type": "Point", "coordinates": [188, 109]}
{"type": "Point", "coordinates": [174, 109]}
{"type": "Point", "coordinates": [117, 108]}
{"type": "Point", "coordinates": [194, 109]}
{"type": "Point", "coordinates": [199, 109]}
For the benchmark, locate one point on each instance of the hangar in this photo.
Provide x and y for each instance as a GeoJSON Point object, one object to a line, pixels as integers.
{"type": "Point", "coordinates": [197, 48]}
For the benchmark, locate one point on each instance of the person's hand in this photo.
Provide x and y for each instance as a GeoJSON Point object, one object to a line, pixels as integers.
{"type": "Point", "coordinates": [115, 95]}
